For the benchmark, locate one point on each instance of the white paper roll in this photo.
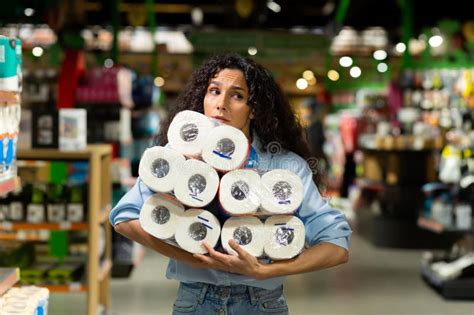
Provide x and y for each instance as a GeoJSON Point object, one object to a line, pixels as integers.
{"type": "Point", "coordinates": [282, 192]}
{"type": "Point", "coordinates": [226, 148]}
{"type": "Point", "coordinates": [188, 131]}
{"type": "Point", "coordinates": [284, 236]}
{"type": "Point", "coordinates": [197, 184]}
{"type": "Point", "coordinates": [159, 168]}
{"type": "Point", "coordinates": [160, 215]}
{"type": "Point", "coordinates": [248, 232]}
{"type": "Point", "coordinates": [239, 192]}
{"type": "Point", "coordinates": [197, 226]}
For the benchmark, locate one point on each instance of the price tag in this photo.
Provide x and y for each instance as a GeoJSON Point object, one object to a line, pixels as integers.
{"type": "Point", "coordinates": [75, 287]}
{"type": "Point", "coordinates": [21, 235]}
{"type": "Point", "coordinates": [66, 225]}
{"type": "Point", "coordinates": [7, 226]}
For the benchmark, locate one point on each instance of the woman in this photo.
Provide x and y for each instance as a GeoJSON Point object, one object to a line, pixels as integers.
{"type": "Point", "coordinates": [239, 92]}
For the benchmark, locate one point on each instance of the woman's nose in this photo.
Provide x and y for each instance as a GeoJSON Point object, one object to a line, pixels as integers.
{"type": "Point", "coordinates": [222, 103]}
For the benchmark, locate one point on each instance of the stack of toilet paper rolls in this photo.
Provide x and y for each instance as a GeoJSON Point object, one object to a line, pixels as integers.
{"type": "Point", "coordinates": [243, 194]}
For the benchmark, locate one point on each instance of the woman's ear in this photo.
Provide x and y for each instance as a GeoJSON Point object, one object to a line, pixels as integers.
{"type": "Point", "coordinates": [252, 114]}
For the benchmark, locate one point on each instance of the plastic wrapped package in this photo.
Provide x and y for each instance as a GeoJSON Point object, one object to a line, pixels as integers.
{"type": "Point", "coordinates": [197, 185]}
{"type": "Point", "coordinates": [28, 300]}
{"type": "Point", "coordinates": [282, 192]}
{"type": "Point", "coordinates": [159, 168]}
{"type": "Point", "coordinates": [188, 132]}
{"type": "Point", "coordinates": [284, 237]}
{"type": "Point", "coordinates": [226, 148]}
{"type": "Point", "coordinates": [240, 192]}
{"type": "Point", "coordinates": [248, 232]}
{"type": "Point", "coordinates": [195, 227]}
{"type": "Point", "coordinates": [165, 218]}
{"type": "Point", "coordinates": [160, 214]}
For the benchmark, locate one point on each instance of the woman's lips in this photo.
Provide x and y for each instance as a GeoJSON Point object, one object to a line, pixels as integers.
{"type": "Point", "coordinates": [221, 119]}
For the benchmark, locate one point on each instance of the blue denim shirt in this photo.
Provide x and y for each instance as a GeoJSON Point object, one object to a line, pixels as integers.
{"type": "Point", "coordinates": [322, 223]}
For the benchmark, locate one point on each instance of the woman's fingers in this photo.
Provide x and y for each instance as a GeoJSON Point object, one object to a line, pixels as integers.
{"type": "Point", "coordinates": [242, 252]}
{"type": "Point", "coordinates": [215, 254]}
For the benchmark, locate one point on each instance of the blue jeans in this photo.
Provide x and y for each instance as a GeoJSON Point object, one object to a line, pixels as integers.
{"type": "Point", "coordinates": [206, 299]}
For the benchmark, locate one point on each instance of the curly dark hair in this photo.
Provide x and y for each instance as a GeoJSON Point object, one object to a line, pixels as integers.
{"type": "Point", "coordinates": [274, 120]}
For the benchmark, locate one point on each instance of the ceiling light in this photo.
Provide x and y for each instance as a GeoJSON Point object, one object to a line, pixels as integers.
{"type": "Point", "coordinates": [308, 75]}
{"type": "Point", "coordinates": [382, 67]}
{"type": "Point", "coordinates": [333, 75]}
{"type": "Point", "coordinates": [345, 61]}
{"type": "Point", "coordinates": [380, 54]}
{"type": "Point", "coordinates": [159, 81]}
{"type": "Point", "coordinates": [37, 51]}
{"type": "Point", "coordinates": [301, 84]}
{"type": "Point", "coordinates": [400, 47]}
{"type": "Point", "coordinates": [197, 16]}
{"type": "Point", "coordinates": [252, 51]}
{"type": "Point", "coordinates": [272, 5]}
{"type": "Point", "coordinates": [29, 11]}
{"type": "Point", "coordinates": [108, 63]}
{"type": "Point", "coordinates": [435, 41]}
{"type": "Point", "coordinates": [355, 72]}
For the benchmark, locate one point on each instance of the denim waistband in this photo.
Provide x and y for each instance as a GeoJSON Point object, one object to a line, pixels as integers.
{"type": "Point", "coordinates": [222, 292]}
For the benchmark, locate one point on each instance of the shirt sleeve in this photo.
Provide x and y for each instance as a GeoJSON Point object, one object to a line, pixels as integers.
{"type": "Point", "coordinates": [128, 208]}
{"type": "Point", "coordinates": [322, 222]}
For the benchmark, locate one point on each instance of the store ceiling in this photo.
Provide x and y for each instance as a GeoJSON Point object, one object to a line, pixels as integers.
{"type": "Point", "coordinates": [247, 14]}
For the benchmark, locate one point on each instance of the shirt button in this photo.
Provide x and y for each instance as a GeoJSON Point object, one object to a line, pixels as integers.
{"type": "Point", "coordinates": [221, 311]}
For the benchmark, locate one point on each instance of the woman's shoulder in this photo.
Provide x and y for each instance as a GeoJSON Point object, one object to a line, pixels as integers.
{"type": "Point", "coordinates": [291, 161]}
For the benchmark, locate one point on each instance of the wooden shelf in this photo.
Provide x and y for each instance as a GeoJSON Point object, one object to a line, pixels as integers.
{"type": "Point", "coordinates": [99, 200]}
{"type": "Point", "coordinates": [20, 237]}
{"type": "Point", "coordinates": [63, 226]}
{"type": "Point", "coordinates": [55, 154]}
{"type": "Point", "coordinates": [435, 226]}
{"type": "Point", "coordinates": [71, 287]}
{"type": "Point", "coordinates": [8, 278]}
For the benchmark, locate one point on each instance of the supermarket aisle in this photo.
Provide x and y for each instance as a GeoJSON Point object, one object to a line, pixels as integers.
{"type": "Point", "coordinates": [376, 281]}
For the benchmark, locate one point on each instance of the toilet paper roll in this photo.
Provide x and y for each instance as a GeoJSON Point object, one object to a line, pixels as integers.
{"type": "Point", "coordinates": [10, 68]}
{"type": "Point", "coordinates": [282, 192]}
{"type": "Point", "coordinates": [197, 184]}
{"type": "Point", "coordinates": [226, 148]}
{"type": "Point", "coordinates": [159, 168]}
{"type": "Point", "coordinates": [284, 236]}
{"type": "Point", "coordinates": [197, 226]}
{"type": "Point", "coordinates": [188, 131]}
{"type": "Point", "coordinates": [160, 215]}
{"type": "Point", "coordinates": [239, 192]}
{"type": "Point", "coordinates": [248, 232]}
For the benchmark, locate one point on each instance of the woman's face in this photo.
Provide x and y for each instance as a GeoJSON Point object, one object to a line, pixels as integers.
{"type": "Point", "coordinates": [226, 100]}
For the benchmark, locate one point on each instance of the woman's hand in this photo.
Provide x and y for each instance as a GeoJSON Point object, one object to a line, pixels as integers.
{"type": "Point", "coordinates": [244, 263]}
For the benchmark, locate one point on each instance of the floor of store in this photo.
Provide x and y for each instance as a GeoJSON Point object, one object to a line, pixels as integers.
{"type": "Point", "coordinates": [375, 281]}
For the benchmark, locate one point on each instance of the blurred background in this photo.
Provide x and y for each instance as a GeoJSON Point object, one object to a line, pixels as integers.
{"type": "Point", "coordinates": [384, 89]}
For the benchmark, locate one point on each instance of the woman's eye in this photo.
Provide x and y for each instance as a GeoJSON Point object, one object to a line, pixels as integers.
{"type": "Point", "coordinates": [214, 91]}
{"type": "Point", "coordinates": [238, 96]}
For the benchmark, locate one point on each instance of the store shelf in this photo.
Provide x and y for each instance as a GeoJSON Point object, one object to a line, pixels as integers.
{"type": "Point", "coordinates": [99, 200]}
{"type": "Point", "coordinates": [71, 287]}
{"type": "Point", "coordinates": [63, 226]}
{"type": "Point", "coordinates": [54, 154]}
{"type": "Point", "coordinates": [8, 278]}
{"type": "Point", "coordinates": [20, 237]}
{"type": "Point", "coordinates": [434, 226]}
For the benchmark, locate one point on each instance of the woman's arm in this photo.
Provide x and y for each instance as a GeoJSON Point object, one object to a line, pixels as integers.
{"type": "Point", "coordinates": [133, 230]}
{"type": "Point", "coordinates": [320, 256]}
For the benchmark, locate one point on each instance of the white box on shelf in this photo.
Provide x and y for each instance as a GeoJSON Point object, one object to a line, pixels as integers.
{"type": "Point", "coordinates": [72, 129]}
